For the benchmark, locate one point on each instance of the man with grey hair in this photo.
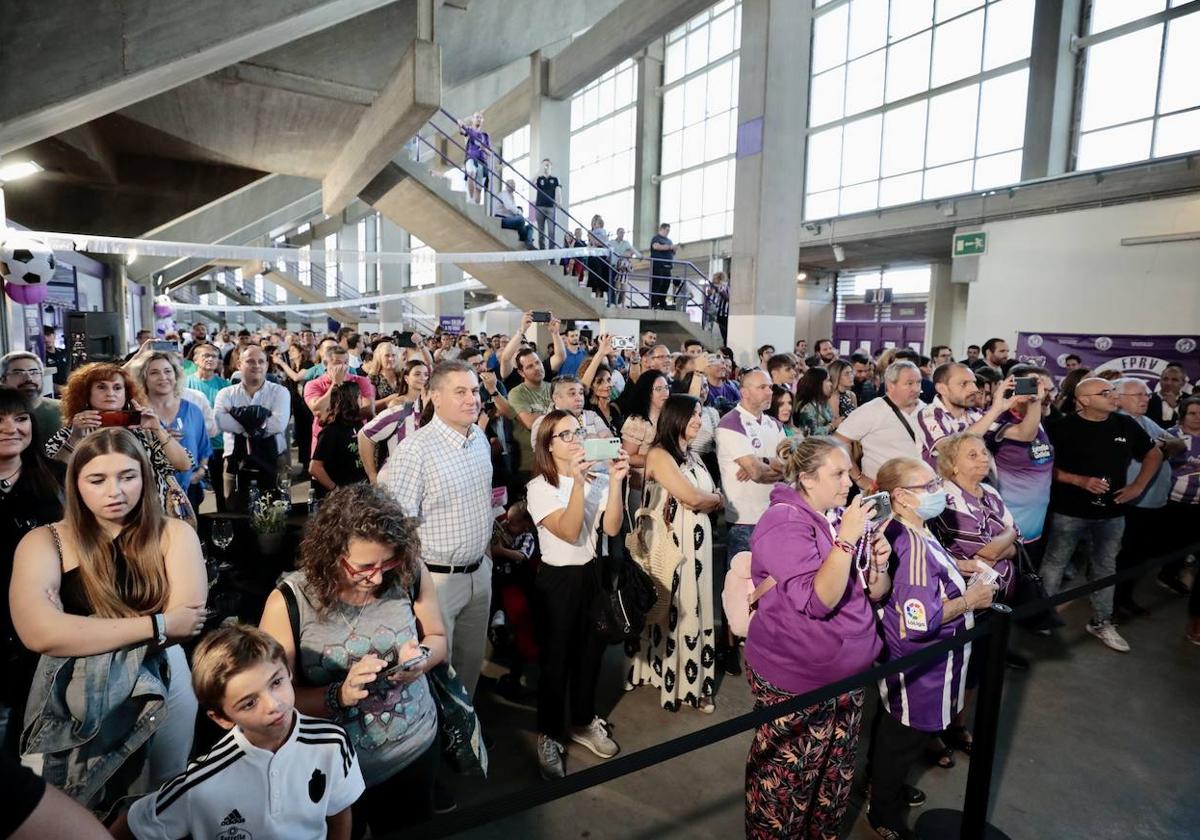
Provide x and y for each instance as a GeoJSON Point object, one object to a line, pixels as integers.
{"type": "Point", "coordinates": [442, 475]}
{"type": "Point", "coordinates": [23, 370]}
{"type": "Point", "coordinates": [1145, 523]}
{"type": "Point", "coordinates": [887, 427]}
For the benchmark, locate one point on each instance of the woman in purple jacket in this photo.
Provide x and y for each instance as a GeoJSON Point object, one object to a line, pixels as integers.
{"type": "Point", "coordinates": [814, 626]}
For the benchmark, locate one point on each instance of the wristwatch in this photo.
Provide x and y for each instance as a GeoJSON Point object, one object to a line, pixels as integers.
{"type": "Point", "coordinates": [160, 629]}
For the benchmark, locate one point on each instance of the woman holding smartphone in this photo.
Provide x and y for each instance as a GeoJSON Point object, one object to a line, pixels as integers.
{"type": "Point", "coordinates": [570, 501]}
{"type": "Point", "coordinates": [364, 604]}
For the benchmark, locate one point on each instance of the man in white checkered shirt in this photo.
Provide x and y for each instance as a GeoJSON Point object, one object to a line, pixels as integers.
{"type": "Point", "coordinates": [442, 474]}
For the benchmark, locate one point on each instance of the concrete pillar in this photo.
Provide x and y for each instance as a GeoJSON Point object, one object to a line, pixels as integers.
{"type": "Point", "coordinates": [113, 286]}
{"type": "Point", "coordinates": [448, 303]}
{"type": "Point", "coordinates": [776, 35]}
{"type": "Point", "coordinates": [1050, 101]}
{"type": "Point", "coordinates": [946, 313]}
{"type": "Point", "coordinates": [352, 270]}
{"type": "Point", "coordinates": [814, 313]}
{"type": "Point", "coordinates": [648, 152]}
{"type": "Point", "coordinates": [549, 134]}
{"type": "Point", "coordinates": [393, 277]}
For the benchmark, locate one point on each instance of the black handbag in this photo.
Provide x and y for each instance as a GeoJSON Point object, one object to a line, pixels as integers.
{"type": "Point", "coordinates": [623, 597]}
{"type": "Point", "coordinates": [1029, 589]}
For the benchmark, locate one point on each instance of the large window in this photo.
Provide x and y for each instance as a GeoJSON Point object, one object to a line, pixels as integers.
{"type": "Point", "coordinates": [423, 270]}
{"type": "Point", "coordinates": [912, 100]}
{"type": "Point", "coordinates": [603, 129]}
{"type": "Point", "coordinates": [515, 151]}
{"type": "Point", "coordinates": [1141, 89]}
{"type": "Point", "coordinates": [331, 266]}
{"type": "Point", "coordinates": [699, 124]}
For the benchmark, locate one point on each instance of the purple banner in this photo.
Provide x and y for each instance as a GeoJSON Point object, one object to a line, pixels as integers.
{"type": "Point", "coordinates": [1140, 356]}
{"type": "Point", "coordinates": [451, 323]}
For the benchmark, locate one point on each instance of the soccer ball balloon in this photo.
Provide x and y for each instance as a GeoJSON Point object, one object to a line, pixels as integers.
{"type": "Point", "coordinates": [26, 266]}
{"type": "Point", "coordinates": [163, 307]}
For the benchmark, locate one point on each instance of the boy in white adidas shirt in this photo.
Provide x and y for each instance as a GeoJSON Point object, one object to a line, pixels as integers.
{"type": "Point", "coordinates": [277, 774]}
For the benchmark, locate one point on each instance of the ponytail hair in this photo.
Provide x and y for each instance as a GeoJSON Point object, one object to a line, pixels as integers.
{"type": "Point", "coordinates": [804, 456]}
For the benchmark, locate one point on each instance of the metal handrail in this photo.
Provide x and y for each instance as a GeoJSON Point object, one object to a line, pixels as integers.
{"type": "Point", "coordinates": [706, 302]}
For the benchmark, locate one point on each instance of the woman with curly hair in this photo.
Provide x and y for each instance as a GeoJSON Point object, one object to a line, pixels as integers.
{"type": "Point", "coordinates": [362, 605]}
{"type": "Point", "coordinates": [97, 395]}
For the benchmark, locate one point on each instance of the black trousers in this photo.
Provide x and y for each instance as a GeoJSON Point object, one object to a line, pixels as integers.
{"type": "Point", "coordinates": [570, 651]}
{"type": "Point", "coordinates": [216, 477]}
{"type": "Point", "coordinates": [1146, 531]}
{"type": "Point", "coordinates": [894, 749]}
{"type": "Point", "coordinates": [400, 801]}
{"type": "Point", "coordinates": [660, 284]}
{"type": "Point", "coordinates": [1180, 527]}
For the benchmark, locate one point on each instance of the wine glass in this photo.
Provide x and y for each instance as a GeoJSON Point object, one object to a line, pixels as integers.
{"type": "Point", "coordinates": [222, 537]}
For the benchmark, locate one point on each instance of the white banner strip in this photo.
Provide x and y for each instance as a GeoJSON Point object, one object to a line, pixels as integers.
{"type": "Point", "coordinates": [244, 253]}
{"type": "Point", "coordinates": [334, 303]}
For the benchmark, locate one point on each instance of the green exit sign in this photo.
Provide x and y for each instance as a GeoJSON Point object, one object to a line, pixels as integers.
{"type": "Point", "coordinates": [970, 244]}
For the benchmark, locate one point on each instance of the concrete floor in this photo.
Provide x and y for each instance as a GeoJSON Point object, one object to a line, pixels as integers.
{"type": "Point", "coordinates": [1094, 744]}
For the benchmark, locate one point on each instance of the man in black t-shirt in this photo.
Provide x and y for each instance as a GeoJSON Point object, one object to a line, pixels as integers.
{"type": "Point", "coordinates": [662, 252]}
{"type": "Point", "coordinates": [1092, 453]}
{"type": "Point", "coordinates": [545, 203]}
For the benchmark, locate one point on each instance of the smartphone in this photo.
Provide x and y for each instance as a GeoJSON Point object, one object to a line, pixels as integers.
{"type": "Point", "coordinates": [624, 342]}
{"type": "Point", "coordinates": [159, 346]}
{"type": "Point", "coordinates": [883, 506]}
{"type": "Point", "coordinates": [405, 665]}
{"type": "Point", "coordinates": [120, 418]}
{"type": "Point", "coordinates": [1026, 386]}
{"type": "Point", "coordinates": [540, 317]}
{"type": "Point", "coordinates": [601, 449]}
{"type": "Point", "coordinates": [405, 340]}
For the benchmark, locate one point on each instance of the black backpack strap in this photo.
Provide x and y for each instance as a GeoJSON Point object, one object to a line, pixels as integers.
{"type": "Point", "coordinates": [293, 611]}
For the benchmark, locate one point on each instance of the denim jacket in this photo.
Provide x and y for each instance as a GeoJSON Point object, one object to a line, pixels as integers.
{"type": "Point", "coordinates": [90, 715]}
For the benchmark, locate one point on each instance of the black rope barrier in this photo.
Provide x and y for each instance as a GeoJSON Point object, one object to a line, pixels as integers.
{"type": "Point", "coordinates": [970, 824]}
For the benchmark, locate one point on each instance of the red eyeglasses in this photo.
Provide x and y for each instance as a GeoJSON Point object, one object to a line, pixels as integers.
{"type": "Point", "coordinates": [357, 574]}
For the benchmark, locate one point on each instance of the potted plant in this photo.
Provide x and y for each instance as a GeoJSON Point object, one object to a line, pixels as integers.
{"type": "Point", "coordinates": [268, 520]}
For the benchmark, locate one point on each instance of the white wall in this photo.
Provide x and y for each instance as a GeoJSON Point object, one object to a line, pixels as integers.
{"type": "Point", "coordinates": [1069, 272]}
{"type": "Point", "coordinates": [814, 315]}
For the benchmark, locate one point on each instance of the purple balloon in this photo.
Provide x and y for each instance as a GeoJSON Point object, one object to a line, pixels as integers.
{"type": "Point", "coordinates": [163, 310]}
{"type": "Point", "coordinates": [27, 294]}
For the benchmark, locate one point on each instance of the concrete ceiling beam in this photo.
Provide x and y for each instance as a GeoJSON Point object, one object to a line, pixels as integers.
{"type": "Point", "coordinates": [404, 105]}
{"type": "Point", "coordinates": [618, 35]}
{"type": "Point", "coordinates": [109, 58]}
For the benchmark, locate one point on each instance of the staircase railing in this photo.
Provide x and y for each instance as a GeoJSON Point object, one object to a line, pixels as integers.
{"type": "Point", "coordinates": [691, 291]}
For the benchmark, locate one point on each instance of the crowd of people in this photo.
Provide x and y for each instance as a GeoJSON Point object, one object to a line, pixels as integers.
{"type": "Point", "coordinates": [873, 506]}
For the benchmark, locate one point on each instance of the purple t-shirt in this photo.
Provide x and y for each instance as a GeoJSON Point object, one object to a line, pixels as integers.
{"type": "Point", "coordinates": [795, 642]}
{"type": "Point", "coordinates": [1185, 469]}
{"type": "Point", "coordinates": [1024, 473]}
{"type": "Point", "coordinates": [969, 523]}
{"type": "Point", "coordinates": [724, 397]}
{"type": "Point", "coordinates": [478, 144]}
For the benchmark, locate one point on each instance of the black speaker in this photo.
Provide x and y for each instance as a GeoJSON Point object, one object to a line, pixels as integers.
{"type": "Point", "coordinates": [92, 337]}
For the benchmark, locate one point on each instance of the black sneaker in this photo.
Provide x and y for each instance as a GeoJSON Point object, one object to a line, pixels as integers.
{"type": "Point", "coordinates": [888, 833]}
{"type": "Point", "coordinates": [913, 797]}
{"type": "Point", "coordinates": [730, 662]}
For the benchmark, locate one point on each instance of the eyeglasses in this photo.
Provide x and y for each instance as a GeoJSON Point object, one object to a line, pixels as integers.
{"type": "Point", "coordinates": [932, 487]}
{"type": "Point", "coordinates": [1107, 392]}
{"type": "Point", "coordinates": [357, 574]}
{"type": "Point", "coordinates": [568, 435]}
{"type": "Point", "coordinates": [30, 373]}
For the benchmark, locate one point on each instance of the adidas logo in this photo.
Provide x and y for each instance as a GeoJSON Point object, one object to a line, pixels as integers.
{"type": "Point", "coordinates": [234, 818]}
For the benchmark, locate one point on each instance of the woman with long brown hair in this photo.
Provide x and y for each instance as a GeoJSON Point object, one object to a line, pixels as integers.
{"type": "Point", "coordinates": [364, 604]}
{"type": "Point", "coordinates": [103, 394]}
{"type": "Point", "coordinates": [113, 579]}
{"type": "Point", "coordinates": [335, 460]}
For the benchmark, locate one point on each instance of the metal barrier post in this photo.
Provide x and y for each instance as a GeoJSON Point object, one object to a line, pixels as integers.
{"type": "Point", "coordinates": [971, 822]}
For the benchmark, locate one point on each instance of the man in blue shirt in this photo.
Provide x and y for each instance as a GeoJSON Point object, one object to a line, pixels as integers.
{"type": "Point", "coordinates": [576, 354]}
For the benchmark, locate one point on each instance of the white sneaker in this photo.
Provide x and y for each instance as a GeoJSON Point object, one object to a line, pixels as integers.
{"type": "Point", "coordinates": [550, 758]}
{"type": "Point", "coordinates": [594, 736]}
{"type": "Point", "coordinates": [1107, 633]}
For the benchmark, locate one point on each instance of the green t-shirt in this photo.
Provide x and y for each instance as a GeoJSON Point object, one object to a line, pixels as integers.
{"type": "Point", "coordinates": [524, 398]}
{"type": "Point", "coordinates": [209, 388]}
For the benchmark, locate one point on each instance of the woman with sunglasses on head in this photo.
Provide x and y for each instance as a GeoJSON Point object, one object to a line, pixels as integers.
{"type": "Point", "coordinates": [929, 602]}
{"type": "Point", "coordinates": [570, 501]}
{"type": "Point", "coordinates": [678, 654]}
{"type": "Point", "coordinates": [108, 594]}
{"type": "Point", "coordinates": [364, 605]}
{"type": "Point", "coordinates": [30, 495]}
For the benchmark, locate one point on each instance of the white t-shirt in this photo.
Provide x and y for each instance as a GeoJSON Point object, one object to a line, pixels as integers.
{"type": "Point", "coordinates": [882, 435]}
{"type": "Point", "coordinates": [738, 435]}
{"type": "Point", "coordinates": [543, 500]}
{"type": "Point", "coordinates": [238, 790]}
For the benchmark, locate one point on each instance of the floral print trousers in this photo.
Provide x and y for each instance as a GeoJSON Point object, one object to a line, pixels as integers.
{"type": "Point", "coordinates": [800, 767]}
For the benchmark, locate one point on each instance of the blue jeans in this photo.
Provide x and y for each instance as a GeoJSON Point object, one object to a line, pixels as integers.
{"type": "Point", "coordinates": [738, 540]}
{"type": "Point", "coordinates": [1064, 533]}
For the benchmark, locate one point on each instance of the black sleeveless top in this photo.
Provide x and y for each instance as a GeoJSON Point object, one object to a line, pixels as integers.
{"type": "Point", "coordinates": [71, 592]}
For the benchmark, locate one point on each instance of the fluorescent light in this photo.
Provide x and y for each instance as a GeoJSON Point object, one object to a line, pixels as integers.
{"type": "Point", "coordinates": [839, 253]}
{"type": "Point", "coordinates": [18, 169]}
{"type": "Point", "coordinates": [803, 275]}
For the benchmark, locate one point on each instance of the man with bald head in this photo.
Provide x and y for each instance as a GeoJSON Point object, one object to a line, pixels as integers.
{"type": "Point", "coordinates": [953, 409]}
{"type": "Point", "coordinates": [1093, 453]}
{"type": "Point", "coordinates": [746, 443]}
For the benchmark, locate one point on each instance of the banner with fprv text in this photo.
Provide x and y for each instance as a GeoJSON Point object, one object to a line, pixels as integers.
{"type": "Point", "coordinates": [1139, 356]}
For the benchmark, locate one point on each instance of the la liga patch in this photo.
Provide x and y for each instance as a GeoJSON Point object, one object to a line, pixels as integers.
{"type": "Point", "coordinates": [914, 616]}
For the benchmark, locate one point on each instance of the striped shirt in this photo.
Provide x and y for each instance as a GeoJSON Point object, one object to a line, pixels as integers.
{"type": "Point", "coordinates": [925, 697]}
{"type": "Point", "coordinates": [238, 790]}
{"type": "Point", "coordinates": [1185, 469]}
{"type": "Point", "coordinates": [969, 523]}
{"type": "Point", "coordinates": [935, 422]}
{"type": "Point", "coordinates": [393, 424]}
{"type": "Point", "coordinates": [445, 481]}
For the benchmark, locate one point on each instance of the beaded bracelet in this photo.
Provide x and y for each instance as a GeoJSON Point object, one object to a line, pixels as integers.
{"type": "Point", "coordinates": [333, 701]}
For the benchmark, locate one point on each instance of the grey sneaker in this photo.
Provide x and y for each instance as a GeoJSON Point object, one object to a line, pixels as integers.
{"type": "Point", "coordinates": [550, 758]}
{"type": "Point", "coordinates": [594, 736]}
{"type": "Point", "coordinates": [1107, 633]}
